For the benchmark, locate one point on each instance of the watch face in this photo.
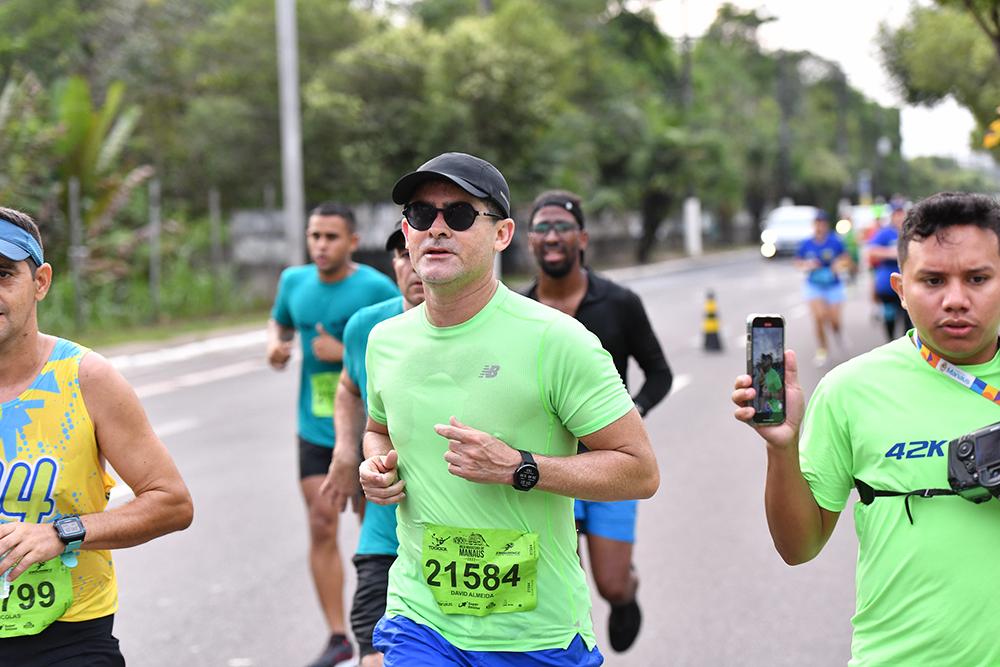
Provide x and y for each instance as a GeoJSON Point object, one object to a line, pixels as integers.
{"type": "Point", "coordinates": [527, 476]}
{"type": "Point", "coordinates": [70, 527]}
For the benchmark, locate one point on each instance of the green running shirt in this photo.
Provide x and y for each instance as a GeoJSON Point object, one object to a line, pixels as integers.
{"type": "Point", "coordinates": [927, 593]}
{"type": "Point", "coordinates": [534, 378]}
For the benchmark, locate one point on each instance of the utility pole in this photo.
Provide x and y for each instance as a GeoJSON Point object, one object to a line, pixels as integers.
{"type": "Point", "coordinates": [291, 130]}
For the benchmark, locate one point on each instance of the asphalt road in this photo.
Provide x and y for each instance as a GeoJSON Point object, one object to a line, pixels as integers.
{"type": "Point", "coordinates": [234, 591]}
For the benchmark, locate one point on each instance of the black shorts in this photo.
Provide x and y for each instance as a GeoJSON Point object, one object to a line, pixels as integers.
{"type": "Point", "coordinates": [62, 644]}
{"type": "Point", "coordinates": [313, 459]}
{"type": "Point", "coordinates": [369, 597]}
{"type": "Point", "coordinates": [891, 297]}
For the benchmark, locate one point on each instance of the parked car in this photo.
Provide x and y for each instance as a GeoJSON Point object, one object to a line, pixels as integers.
{"type": "Point", "coordinates": [785, 228]}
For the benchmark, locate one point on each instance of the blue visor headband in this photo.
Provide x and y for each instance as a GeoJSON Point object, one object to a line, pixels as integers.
{"type": "Point", "coordinates": [18, 244]}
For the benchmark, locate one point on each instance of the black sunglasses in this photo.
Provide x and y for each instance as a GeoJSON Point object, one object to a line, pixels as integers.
{"type": "Point", "coordinates": [560, 226]}
{"type": "Point", "coordinates": [459, 216]}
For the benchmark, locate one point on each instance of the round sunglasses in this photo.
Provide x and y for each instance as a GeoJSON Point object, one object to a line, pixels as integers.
{"type": "Point", "coordinates": [459, 216]}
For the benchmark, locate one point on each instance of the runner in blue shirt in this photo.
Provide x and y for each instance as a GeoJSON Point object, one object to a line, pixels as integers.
{"type": "Point", "coordinates": [315, 301]}
{"type": "Point", "coordinates": [377, 543]}
{"type": "Point", "coordinates": [819, 257]}
{"type": "Point", "coordinates": [882, 249]}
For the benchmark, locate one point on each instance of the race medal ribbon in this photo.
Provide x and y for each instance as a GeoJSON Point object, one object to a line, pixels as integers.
{"type": "Point", "coordinates": [34, 600]}
{"type": "Point", "coordinates": [324, 389]}
{"type": "Point", "coordinates": [969, 380]}
{"type": "Point", "coordinates": [478, 571]}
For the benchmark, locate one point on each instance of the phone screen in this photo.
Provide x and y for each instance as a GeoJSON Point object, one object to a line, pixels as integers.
{"type": "Point", "coordinates": [766, 365]}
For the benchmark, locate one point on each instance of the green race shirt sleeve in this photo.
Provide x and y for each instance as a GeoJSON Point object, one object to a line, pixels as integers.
{"type": "Point", "coordinates": [825, 453]}
{"type": "Point", "coordinates": [579, 380]}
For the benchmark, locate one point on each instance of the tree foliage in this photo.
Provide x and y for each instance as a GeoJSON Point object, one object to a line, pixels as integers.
{"type": "Point", "coordinates": [585, 94]}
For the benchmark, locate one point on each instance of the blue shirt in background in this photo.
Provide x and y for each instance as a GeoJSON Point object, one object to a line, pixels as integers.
{"type": "Point", "coordinates": [885, 237]}
{"type": "Point", "coordinates": [826, 252]}
{"type": "Point", "coordinates": [303, 301]}
{"type": "Point", "coordinates": [378, 529]}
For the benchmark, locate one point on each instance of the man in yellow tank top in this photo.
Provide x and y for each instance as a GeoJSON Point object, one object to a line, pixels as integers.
{"type": "Point", "coordinates": [64, 412]}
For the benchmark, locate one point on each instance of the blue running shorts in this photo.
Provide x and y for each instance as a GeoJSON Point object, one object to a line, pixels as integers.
{"type": "Point", "coordinates": [409, 644]}
{"type": "Point", "coordinates": [832, 294]}
{"type": "Point", "coordinates": [614, 520]}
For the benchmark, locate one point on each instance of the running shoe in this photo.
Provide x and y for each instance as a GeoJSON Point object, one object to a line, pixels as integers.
{"type": "Point", "coordinates": [623, 625]}
{"type": "Point", "coordinates": [820, 358]}
{"type": "Point", "coordinates": [339, 650]}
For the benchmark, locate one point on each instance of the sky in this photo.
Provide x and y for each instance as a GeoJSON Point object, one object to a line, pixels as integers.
{"type": "Point", "coordinates": [846, 32]}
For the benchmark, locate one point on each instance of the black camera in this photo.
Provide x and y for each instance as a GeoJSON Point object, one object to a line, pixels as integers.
{"type": "Point", "coordinates": [974, 464]}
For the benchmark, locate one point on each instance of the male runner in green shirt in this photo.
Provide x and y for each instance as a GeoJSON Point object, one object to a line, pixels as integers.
{"type": "Point", "coordinates": [927, 590]}
{"type": "Point", "coordinates": [476, 401]}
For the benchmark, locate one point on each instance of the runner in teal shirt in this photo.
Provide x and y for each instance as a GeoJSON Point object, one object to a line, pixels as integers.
{"type": "Point", "coordinates": [303, 303]}
{"type": "Point", "coordinates": [377, 543]}
{"type": "Point", "coordinates": [315, 301]}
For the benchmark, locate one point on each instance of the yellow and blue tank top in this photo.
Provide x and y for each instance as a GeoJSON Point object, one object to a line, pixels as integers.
{"type": "Point", "coordinates": [50, 467]}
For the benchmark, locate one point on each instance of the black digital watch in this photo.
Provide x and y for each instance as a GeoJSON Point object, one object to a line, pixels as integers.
{"type": "Point", "coordinates": [526, 474]}
{"type": "Point", "coordinates": [71, 530]}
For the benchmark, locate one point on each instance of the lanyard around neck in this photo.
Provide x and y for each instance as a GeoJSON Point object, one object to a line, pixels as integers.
{"type": "Point", "coordinates": [964, 378]}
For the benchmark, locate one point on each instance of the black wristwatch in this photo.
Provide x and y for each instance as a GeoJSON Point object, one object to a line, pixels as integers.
{"type": "Point", "coordinates": [70, 530]}
{"type": "Point", "coordinates": [526, 475]}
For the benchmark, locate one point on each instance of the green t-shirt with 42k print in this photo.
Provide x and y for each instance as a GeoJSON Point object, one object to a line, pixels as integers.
{"type": "Point", "coordinates": [927, 593]}
{"type": "Point", "coordinates": [489, 567]}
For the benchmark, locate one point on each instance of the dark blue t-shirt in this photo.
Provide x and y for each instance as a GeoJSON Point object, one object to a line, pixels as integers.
{"type": "Point", "coordinates": [826, 252]}
{"type": "Point", "coordinates": [885, 237]}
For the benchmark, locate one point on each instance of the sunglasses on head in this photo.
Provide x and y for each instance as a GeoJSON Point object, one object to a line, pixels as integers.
{"type": "Point", "coordinates": [560, 226]}
{"type": "Point", "coordinates": [459, 216]}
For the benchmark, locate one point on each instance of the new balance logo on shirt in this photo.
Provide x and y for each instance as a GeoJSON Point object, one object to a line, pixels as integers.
{"type": "Point", "coordinates": [489, 371]}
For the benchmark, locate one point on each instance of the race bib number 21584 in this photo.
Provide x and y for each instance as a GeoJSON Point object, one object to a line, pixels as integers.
{"type": "Point", "coordinates": [480, 571]}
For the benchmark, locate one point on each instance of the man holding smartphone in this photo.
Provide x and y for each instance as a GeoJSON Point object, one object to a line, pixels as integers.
{"type": "Point", "coordinates": [617, 317]}
{"type": "Point", "coordinates": [927, 590]}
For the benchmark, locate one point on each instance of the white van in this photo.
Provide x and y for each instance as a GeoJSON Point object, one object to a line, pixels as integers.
{"type": "Point", "coordinates": [785, 228]}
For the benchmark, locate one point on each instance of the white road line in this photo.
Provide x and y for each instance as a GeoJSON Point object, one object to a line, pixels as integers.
{"type": "Point", "coordinates": [175, 427]}
{"type": "Point", "coordinates": [200, 377]}
{"type": "Point", "coordinates": [121, 493]}
{"type": "Point", "coordinates": [680, 382]}
{"type": "Point", "coordinates": [190, 350]}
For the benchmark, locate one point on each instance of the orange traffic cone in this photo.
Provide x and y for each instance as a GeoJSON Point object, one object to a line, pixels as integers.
{"type": "Point", "coordinates": [713, 343]}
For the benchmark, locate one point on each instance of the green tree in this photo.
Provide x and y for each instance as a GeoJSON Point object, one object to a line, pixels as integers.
{"type": "Point", "coordinates": [942, 51]}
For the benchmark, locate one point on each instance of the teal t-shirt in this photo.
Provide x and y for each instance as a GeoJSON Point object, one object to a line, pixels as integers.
{"type": "Point", "coordinates": [378, 528]}
{"type": "Point", "coordinates": [927, 593]}
{"type": "Point", "coordinates": [537, 380]}
{"type": "Point", "coordinates": [302, 302]}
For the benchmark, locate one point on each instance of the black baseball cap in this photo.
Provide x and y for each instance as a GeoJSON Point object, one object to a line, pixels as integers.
{"type": "Point", "coordinates": [396, 240]}
{"type": "Point", "coordinates": [474, 175]}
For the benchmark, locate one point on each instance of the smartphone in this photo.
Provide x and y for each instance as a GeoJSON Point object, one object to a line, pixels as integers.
{"type": "Point", "coordinates": [766, 365]}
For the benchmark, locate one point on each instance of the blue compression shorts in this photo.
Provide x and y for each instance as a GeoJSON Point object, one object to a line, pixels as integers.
{"type": "Point", "coordinates": [613, 520]}
{"type": "Point", "coordinates": [409, 644]}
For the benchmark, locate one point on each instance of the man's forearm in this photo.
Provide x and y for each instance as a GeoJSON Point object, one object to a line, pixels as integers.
{"type": "Point", "coordinates": [153, 513]}
{"type": "Point", "coordinates": [376, 444]}
{"type": "Point", "coordinates": [599, 475]}
{"type": "Point", "coordinates": [793, 517]}
{"type": "Point", "coordinates": [348, 417]}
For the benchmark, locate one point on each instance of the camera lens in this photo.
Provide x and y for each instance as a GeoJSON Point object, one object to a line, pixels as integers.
{"type": "Point", "coordinates": [964, 449]}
